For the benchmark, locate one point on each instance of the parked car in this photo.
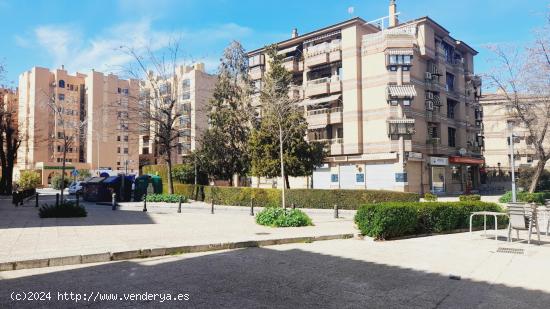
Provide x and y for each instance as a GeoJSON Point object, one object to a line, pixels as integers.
{"type": "Point", "coordinates": [75, 187]}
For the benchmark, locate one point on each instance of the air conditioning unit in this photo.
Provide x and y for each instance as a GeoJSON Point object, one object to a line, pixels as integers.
{"type": "Point", "coordinates": [429, 105]}
{"type": "Point", "coordinates": [428, 75]}
{"type": "Point", "coordinates": [429, 95]}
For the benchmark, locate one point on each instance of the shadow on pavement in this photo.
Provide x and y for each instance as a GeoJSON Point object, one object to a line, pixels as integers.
{"type": "Point", "coordinates": [261, 277]}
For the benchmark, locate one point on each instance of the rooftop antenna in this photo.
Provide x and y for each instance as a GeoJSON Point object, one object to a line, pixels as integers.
{"type": "Point", "coordinates": [351, 10]}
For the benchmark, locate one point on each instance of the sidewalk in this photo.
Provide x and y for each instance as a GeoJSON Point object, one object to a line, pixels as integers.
{"type": "Point", "coordinates": [24, 236]}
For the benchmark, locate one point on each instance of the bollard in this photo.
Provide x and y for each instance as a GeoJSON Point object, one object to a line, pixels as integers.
{"type": "Point", "coordinates": [113, 202]}
{"type": "Point", "coordinates": [77, 199]}
{"type": "Point", "coordinates": [145, 202]}
{"type": "Point", "coordinates": [57, 199]}
{"type": "Point", "coordinates": [36, 200]}
{"type": "Point", "coordinates": [179, 205]}
{"type": "Point", "coordinates": [336, 211]}
{"type": "Point", "coordinates": [251, 207]}
{"type": "Point", "coordinates": [212, 207]}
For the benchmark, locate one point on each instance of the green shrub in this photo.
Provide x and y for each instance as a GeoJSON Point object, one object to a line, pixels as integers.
{"type": "Point", "coordinates": [29, 179]}
{"type": "Point", "coordinates": [56, 182]}
{"type": "Point", "coordinates": [65, 209]}
{"type": "Point", "coordinates": [523, 196]}
{"type": "Point", "coordinates": [303, 198]}
{"type": "Point", "coordinates": [166, 198]}
{"type": "Point", "coordinates": [279, 217]}
{"type": "Point", "coordinates": [390, 220]}
{"type": "Point", "coordinates": [469, 197]}
{"type": "Point", "coordinates": [83, 174]}
{"type": "Point", "coordinates": [193, 192]}
{"type": "Point", "coordinates": [429, 197]}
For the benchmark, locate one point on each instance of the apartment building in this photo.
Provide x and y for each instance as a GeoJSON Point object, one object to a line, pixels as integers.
{"type": "Point", "coordinates": [193, 87]}
{"type": "Point", "coordinates": [498, 123]}
{"type": "Point", "coordinates": [89, 104]}
{"type": "Point", "coordinates": [397, 104]}
{"type": "Point", "coordinates": [9, 104]}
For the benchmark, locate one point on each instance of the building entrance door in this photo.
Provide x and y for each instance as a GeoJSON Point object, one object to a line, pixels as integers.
{"type": "Point", "coordinates": [438, 179]}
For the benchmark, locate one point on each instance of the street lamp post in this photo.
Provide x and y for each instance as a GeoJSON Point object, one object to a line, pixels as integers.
{"type": "Point", "coordinates": [512, 160]}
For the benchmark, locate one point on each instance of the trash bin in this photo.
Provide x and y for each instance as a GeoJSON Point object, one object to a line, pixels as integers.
{"type": "Point", "coordinates": [140, 187]}
{"type": "Point", "coordinates": [92, 189]}
{"type": "Point", "coordinates": [157, 184]}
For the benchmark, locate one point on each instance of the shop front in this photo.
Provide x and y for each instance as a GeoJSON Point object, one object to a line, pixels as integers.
{"type": "Point", "coordinates": [465, 173]}
{"type": "Point", "coordinates": [438, 174]}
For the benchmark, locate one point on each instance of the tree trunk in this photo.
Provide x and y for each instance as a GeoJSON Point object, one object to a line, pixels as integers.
{"type": "Point", "coordinates": [538, 172]}
{"type": "Point", "coordinates": [282, 164]}
{"type": "Point", "coordinates": [287, 183]}
{"type": "Point", "coordinates": [170, 181]}
{"type": "Point", "coordinates": [63, 174]}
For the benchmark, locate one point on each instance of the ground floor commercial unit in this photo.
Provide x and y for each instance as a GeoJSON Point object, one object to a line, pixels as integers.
{"type": "Point", "coordinates": [441, 175]}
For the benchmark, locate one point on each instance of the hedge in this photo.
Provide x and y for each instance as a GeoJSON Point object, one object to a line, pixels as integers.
{"type": "Point", "coordinates": [303, 198]}
{"type": "Point", "coordinates": [469, 197]}
{"type": "Point", "coordinates": [523, 196]}
{"type": "Point", "coordinates": [66, 209]}
{"type": "Point", "coordinates": [390, 220]}
{"type": "Point", "coordinates": [166, 198]}
{"type": "Point", "coordinates": [278, 217]}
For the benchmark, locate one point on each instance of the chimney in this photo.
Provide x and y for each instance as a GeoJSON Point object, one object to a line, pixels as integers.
{"type": "Point", "coordinates": [294, 33]}
{"type": "Point", "coordinates": [62, 67]}
{"type": "Point", "coordinates": [392, 16]}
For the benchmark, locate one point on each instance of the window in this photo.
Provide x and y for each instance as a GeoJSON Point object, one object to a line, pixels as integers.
{"type": "Point", "coordinates": [125, 150]}
{"type": "Point", "coordinates": [119, 90]}
{"type": "Point", "coordinates": [452, 137]}
{"type": "Point", "coordinates": [393, 68]}
{"type": "Point", "coordinates": [406, 102]}
{"type": "Point", "coordinates": [256, 60]}
{"type": "Point", "coordinates": [450, 82]}
{"type": "Point", "coordinates": [449, 52]}
{"type": "Point", "coordinates": [118, 150]}
{"type": "Point", "coordinates": [145, 150]}
{"type": "Point", "coordinates": [61, 83]}
{"type": "Point", "coordinates": [118, 138]}
{"type": "Point", "coordinates": [406, 68]}
{"type": "Point", "coordinates": [61, 97]}
{"type": "Point", "coordinates": [451, 108]}
{"type": "Point", "coordinates": [125, 138]}
{"type": "Point", "coordinates": [125, 91]}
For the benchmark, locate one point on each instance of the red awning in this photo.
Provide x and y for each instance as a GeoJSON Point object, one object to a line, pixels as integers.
{"type": "Point", "coordinates": [466, 160]}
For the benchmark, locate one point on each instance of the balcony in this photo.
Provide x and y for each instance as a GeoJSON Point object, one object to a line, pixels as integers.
{"type": "Point", "coordinates": [296, 92]}
{"type": "Point", "coordinates": [335, 146]}
{"type": "Point", "coordinates": [323, 85]}
{"type": "Point", "coordinates": [323, 117]}
{"type": "Point", "coordinates": [293, 64]}
{"type": "Point", "coordinates": [255, 72]}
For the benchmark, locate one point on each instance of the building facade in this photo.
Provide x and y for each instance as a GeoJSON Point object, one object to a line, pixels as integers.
{"type": "Point", "coordinates": [89, 105]}
{"type": "Point", "coordinates": [193, 87]}
{"type": "Point", "coordinates": [398, 105]}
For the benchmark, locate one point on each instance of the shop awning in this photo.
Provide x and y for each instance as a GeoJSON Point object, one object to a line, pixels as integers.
{"type": "Point", "coordinates": [316, 127]}
{"type": "Point", "coordinates": [287, 50]}
{"type": "Point", "coordinates": [399, 51]}
{"type": "Point", "coordinates": [402, 91]}
{"type": "Point", "coordinates": [319, 100]}
{"type": "Point", "coordinates": [466, 160]}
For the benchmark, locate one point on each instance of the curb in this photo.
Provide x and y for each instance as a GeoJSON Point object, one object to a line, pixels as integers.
{"type": "Point", "coordinates": [147, 253]}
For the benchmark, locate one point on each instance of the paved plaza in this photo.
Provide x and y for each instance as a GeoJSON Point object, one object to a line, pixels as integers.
{"type": "Point", "coordinates": [23, 235]}
{"type": "Point", "coordinates": [448, 271]}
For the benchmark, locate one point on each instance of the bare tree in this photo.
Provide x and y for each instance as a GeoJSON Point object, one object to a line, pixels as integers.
{"type": "Point", "coordinates": [522, 75]}
{"type": "Point", "coordinates": [158, 110]}
{"type": "Point", "coordinates": [67, 129]}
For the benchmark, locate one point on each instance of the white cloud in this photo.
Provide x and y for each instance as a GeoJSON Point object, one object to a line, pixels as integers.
{"type": "Point", "coordinates": [65, 44]}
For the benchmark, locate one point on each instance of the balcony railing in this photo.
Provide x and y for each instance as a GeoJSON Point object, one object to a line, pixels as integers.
{"type": "Point", "coordinates": [324, 111]}
{"type": "Point", "coordinates": [334, 78]}
{"type": "Point", "coordinates": [323, 48]}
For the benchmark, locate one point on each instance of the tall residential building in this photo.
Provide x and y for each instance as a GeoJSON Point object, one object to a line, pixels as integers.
{"type": "Point", "coordinates": [396, 105]}
{"type": "Point", "coordinates": [193, 88]}
{"type": "Point", "coordinates": [498, 123]}
{"type": "Point", "coordinates": [90, 111]}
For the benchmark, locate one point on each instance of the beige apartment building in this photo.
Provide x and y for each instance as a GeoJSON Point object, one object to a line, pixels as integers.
{"type": "Point", "coordinates": [397, 104]}
{"type": "Point", "coordinates": [91, 112]}
{"type": "Point", "coordinates": [193, 87]}
{"type": "Point", "coordinates": [498, 114]}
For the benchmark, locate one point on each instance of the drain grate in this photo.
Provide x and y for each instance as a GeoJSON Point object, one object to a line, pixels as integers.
{"type": "Point", "coordinates": [511, 250]}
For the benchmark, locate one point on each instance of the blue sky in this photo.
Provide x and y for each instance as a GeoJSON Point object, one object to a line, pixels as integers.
{"type": "Point", "coordinates": [86, 34]}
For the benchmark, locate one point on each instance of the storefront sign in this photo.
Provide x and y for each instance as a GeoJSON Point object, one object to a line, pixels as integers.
{"type": "Point", "coordinates": [439, 161]}
{"type": "Point", "coordinates": [58, 167]}
{"type": "Point", "coordinates": [360, 178]}
{"type": "Point", "coordinates": [466, 160]}
{"type": "Point", "coordinates": [415, 155]}
{"type": "Point", "coordinates": [400, 177]}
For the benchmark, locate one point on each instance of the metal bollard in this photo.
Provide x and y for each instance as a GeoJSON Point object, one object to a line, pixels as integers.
{"type": "Point", "coordinates": [36, 200]}
{"type": "Point", "coordinates": [113, 201]}
{"type": "Point", "coordinates": [179, 205]}
{"type": "Point", "coordinates": [145, 202]}
{"type": "Point", "coordinates": [251, 207]}
{"type": "Point", "coordinates": [77, 199]}
{"type": "Point", "coordinates": [212, 207]}
{"type": "Point", "coordinates": [57, 199]}
{"type": "Point", "coordinates": [336, 211]}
